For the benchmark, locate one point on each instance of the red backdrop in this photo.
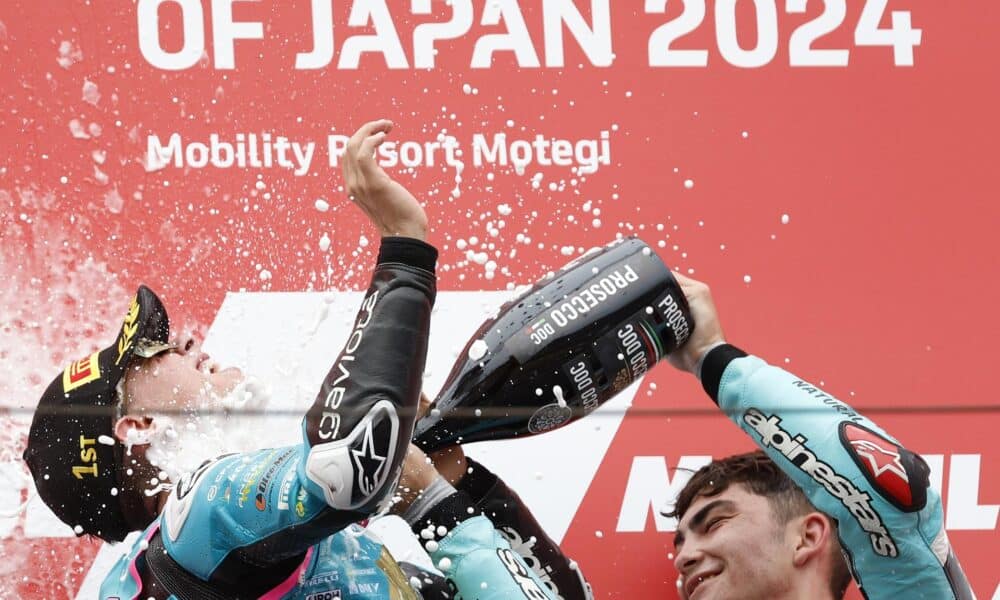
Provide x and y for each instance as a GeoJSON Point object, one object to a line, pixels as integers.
{"type": "Point", "coordinates": [844, 215]}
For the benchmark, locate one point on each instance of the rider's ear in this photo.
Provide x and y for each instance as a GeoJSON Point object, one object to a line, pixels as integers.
{"type": "Point", "coordinates": [131, 429]}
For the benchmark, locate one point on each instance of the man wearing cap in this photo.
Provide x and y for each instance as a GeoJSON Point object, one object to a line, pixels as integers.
{"type": "Point", "coordinates": [231, 528]}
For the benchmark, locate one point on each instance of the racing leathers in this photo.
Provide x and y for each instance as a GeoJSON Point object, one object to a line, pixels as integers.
{"type": "Point", "coordinates": [512, 518]}
{"type": "Point", "coordinates": [890, 521]}
{"type": "Point", "coordinates": [277, 523]}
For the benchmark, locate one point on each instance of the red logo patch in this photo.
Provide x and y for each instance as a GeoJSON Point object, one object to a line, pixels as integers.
{"type": "Point", "coordinates": [881, 460]}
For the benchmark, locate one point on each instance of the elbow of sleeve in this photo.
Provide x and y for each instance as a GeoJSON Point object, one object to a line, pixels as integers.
{"type": "Point", "coordinates": [358, 470]}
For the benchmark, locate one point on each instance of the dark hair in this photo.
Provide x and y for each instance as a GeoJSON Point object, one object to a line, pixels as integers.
{"type": "Point", "coordinates": [759, 475]}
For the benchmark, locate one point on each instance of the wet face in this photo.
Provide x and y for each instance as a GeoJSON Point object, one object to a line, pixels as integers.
{"type": "Point", "coordinates": [730, 546]}
{"type": "Point", "coordinates": [183, 380]}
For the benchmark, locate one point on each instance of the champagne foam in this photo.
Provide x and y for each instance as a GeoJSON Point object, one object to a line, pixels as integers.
{"type": "Point", "coordinates": [221, 425]}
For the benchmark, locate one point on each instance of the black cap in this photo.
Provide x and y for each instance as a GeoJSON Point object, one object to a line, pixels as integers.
{"type": "Point", "coordinates": [72, 452]}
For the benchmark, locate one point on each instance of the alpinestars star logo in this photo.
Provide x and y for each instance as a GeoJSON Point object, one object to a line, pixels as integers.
{"type": "Point", "coordinates": [881, 461]}
{"type": "Point", "coordinates": [367, 462]}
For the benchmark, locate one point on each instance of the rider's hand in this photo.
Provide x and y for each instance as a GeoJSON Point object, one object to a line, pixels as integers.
{"type": "Point", "coordinates": [391, 208]}
{"type": "Point", "coordinates": [707, 331]}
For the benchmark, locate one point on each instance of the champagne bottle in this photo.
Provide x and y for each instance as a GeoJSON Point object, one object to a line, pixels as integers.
{"type": "Point", "coordinates": [561, 349]}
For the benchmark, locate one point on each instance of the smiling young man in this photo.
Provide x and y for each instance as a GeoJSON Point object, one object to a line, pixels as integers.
{"type": "Point", "coordinates": [746, 526]}
{"type": "Point", "coordinates": [275, 523]}
{"type": "Point", "coordinates": [830, 494]}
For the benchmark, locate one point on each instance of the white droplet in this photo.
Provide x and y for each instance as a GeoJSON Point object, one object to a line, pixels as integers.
{"type": "Point", "coordinates": [784, 219]}
{"type": "Point", "coordinates": [599, 533]}
{"type": "Point", "coordinates": [746, 279]}
{"type": "Point", "coordinates": [478, 350]}
{"type": "Point", "coordinates": [444, 564]}
{"type": "Point", "coordinates": [558, 392]}
{"type": "Point", "coordinates": [431, 546]}
{"type": "Point", "coordinates": [106, 440]}
{"type": "Point", "coordinates": [90, 93]}
{"type": "Point", "coordinates": [324, 243]}
{"type": "Point", "coordinates": [77, 529]}
{"type": "Point", "coordinates": [265, 275]}
{"type": "Point", "coordinates": [688, 183]}
{"type": "Point", "coordinates": [441, 531]}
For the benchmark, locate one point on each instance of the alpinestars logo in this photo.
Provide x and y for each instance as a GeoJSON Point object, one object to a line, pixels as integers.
{"type": "Point", "coordinates": [857, 502]}
{"type": "Point", "coordinates": [521, 575]}
{"type": "Point", "coordinates": [525, 548]}
{"type": "Point", "coordinates": [881, 461]}
{"type": "Point", "coordinates": [367, 462]}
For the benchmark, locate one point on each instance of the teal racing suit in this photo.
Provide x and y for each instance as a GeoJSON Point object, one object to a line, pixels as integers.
{"type": "Point", "coordinates": [278, 523]}
{"type": "Point", "coordinates": [890, 521]}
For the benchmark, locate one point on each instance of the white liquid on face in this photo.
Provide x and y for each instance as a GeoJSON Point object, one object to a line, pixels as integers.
{"type": "Point", "coordinates": [179, 443]}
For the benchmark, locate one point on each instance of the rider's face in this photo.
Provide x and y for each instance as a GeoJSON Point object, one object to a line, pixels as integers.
{"type": "Point", "coordinates": [183, 380]}
{"type": "Point", "coordinates": [731, 546]}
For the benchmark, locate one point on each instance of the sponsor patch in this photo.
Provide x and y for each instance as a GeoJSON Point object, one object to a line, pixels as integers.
{"type": "Point", "coordinates": [520, 575]}
{"type": "Point", "coordinates": [81, 372]}
{"type": "Point", "coordinates": [285, 491]}
{"type": "Point", "coordinates": [887, 466]}
{"type": "Point", "coordinates": [260, 500]}
{"type": "Point", "coordinates": [300, 503]}
{"type": "Point", "coordinates": [796, 449]}
{"type": "Point", "coordinates": [325, 595]}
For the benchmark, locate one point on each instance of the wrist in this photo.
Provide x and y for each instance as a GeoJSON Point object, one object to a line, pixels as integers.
{"type": "Point", "coordinates": [429, 499]}
{"type": "Point", "coordinates": [714, 366]}
{"type": "Point", "coordinates": [701, 354]}
{"type": "Point", "coordinates": [451, 463]}
{"type": "Point", "coordinates": [413, 231]}
{"type": "Point", "coordinates": [407, 250]}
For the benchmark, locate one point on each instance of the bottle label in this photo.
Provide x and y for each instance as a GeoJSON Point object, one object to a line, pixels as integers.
{"type": "Point", "coordinates": [585, 383]}
{"type": "Point", "coordinates": [628, 352]}
{"type": "Point", "coordinates": [549, 417]}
